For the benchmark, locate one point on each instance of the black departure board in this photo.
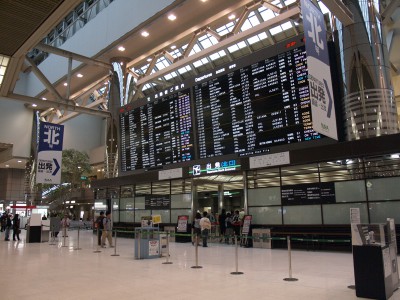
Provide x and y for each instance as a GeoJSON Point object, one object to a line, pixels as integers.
{"type": "Point", "coordinates": [158, 133]}
{"type": "Point", "coordinates": [310, 193]}
{"type": "Point", "coordinates": [250, 109]}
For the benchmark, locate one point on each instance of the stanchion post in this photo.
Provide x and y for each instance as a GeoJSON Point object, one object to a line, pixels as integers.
{"type": "Point", "coordinates": [115, 245]}
{"type": "Point", "coordinates": [236, 258]}
{"type": "Point", "coordinates": [290, 278]}
{"type": "Point", "coordinates": [138, 244]}
{"type": "Point", "coordinates": [197, 253]}
{"type": "Point", "coordinates": [97, 242]}
{"type": "Point", "coordinates": [77, 247]}
{"type": "Point", "coordinates": [167, 262]}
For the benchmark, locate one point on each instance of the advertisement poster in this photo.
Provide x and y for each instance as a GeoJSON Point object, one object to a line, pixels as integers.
{"type": "Point", "coordinates": [182, 224]}
{"type": "Point", "coordinates": [154, 248]}
{"type": "Point", "coordinates": [246, 224]}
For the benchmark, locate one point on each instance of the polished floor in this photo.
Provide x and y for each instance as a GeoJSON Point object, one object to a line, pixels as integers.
{"type": "Point", "coordinates": [43, 271]}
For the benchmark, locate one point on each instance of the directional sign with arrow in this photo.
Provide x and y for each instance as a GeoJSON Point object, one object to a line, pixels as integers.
{"type": "Point", "coordinates": [49, 157]}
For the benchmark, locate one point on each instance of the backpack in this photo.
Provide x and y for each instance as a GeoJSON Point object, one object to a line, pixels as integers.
{"type": "Point", "coordinates": [99, 223]}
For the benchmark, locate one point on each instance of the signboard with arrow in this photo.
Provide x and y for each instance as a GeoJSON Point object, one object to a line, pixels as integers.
{"type": "Point", "coordinates": [49, 157]}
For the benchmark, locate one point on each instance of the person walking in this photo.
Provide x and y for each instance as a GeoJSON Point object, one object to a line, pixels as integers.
{"type": "Point", "coordinates": [107, 231]}
{"type": "Point", "coordinates": [100, 227]}
{"type": "Point", "coordinates": [205, 226]}
{"type": "Point", "coordinates": [16, 224]}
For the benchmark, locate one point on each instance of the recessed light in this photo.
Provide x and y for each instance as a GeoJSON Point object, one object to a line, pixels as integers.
{"type": "Point", "coordinates": [145, 33]}
{"type": "Point", "coordinates": [65, 84]}
{"type": "Point", "coordinates": [44, 98]}
{"type": "Point", "coordinates": [149, 59]}
{"type": "Point", "coordinates": [231, 17]}
{"type": "Point", "coordinates": [19, 161]}
{"type": "Point", "coordinates": [7, 166]}
{"type": "Point", "coordinates": [173, 47]}
{"type": "Point", "coordinates": [171, 17]}
{"type": "Point", "coordinates": [121, 48]}
{"type": "Point", "coordinates": [34, 105]}
{"type": "Point", "coordinates": [79, 75]}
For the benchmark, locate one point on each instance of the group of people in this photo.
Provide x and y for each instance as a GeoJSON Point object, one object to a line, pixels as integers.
{"type": "Point", "coordinates": [8, 222]}
{"type": "Point", "coordinates": [229, 224]}
{"type": "Point", "coordinates": [104, 229]}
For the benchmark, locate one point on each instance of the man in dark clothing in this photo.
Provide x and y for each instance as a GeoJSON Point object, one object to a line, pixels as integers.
{"type": "Point", "coordinates": [100, 226]}
{"type": "Point", "coordinates": [8, 227]}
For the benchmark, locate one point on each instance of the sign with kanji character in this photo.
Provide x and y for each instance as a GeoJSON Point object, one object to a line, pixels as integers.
{"type": "Point", "coordinates": [319, 74]}
{"type": "Point", "coordinates": [49, 153]}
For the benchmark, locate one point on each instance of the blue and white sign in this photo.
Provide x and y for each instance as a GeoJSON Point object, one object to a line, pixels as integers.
{"type": "Point", "coordinates": [319, 74]}
{"type": "Point", "coordinates": [49, 153]}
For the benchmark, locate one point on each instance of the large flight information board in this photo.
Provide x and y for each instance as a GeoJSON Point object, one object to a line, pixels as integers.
{"type": "Point", "coordinates": [250, 109]}
{"type": "Point", "coordinates": [158, 133]}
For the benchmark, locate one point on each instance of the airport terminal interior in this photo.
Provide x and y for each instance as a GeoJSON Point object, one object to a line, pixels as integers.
{"type": "Point", "coordinates": [284, 113]}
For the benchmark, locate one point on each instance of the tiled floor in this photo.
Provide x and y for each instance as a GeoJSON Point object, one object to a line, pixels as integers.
{"type": "Point", "coordinates": [42, 271]}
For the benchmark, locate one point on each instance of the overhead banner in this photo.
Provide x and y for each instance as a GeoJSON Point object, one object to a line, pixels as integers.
{"type": "Point", "coordinates": [49, 153]}
{"type": "Point", "coordinates": [319, 74]}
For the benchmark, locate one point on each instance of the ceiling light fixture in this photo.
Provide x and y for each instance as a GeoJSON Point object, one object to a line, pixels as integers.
{"type": "Point", "coordinates": [79, 75]}
{"type": "Point", "coordinates": [121, 48]}
{"type": "Point", "coordinates": [231, 17]}
{"type": "Point", "coordinates": [34, 105]}
{"type": "Point", "coordinates": [7, 166]}
{"type": "Point", "coordinates": [145, 34]}
{"type": "Point", "coordinates": [19, 161]}
{"type": "Point", "coordinates": [172, 17]}
{"type": "Point", "coordinates": [65, 84]}
{"type": "Point", "coordinates": [173, 47]}
{"type": "Point", "coordinates": [44, 98]}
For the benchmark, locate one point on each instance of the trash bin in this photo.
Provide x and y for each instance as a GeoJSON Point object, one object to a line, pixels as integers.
{"type": "Point", "coordinates": [147, 243]}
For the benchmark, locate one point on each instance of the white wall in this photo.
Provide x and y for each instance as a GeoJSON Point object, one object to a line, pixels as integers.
{"type": "Point", "coordinates": [16, 126]}
{"type": "Point", "coordinates": [84, 133]}
{"type": "Point", "coordinates": [109, 25]}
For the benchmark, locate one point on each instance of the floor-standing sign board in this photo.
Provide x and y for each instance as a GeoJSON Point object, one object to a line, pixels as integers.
{"type": "Point", "coordinates": [49, 153]}
{"type": "Point", "coordinates": [319, 73]}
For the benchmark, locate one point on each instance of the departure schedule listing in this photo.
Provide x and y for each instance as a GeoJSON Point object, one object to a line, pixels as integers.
{"type": "Point", "coordinates": [158, 133]}
{"type": "Point", "coordinates": [253, 108]}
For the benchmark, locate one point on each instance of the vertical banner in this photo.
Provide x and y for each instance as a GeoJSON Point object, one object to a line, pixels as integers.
{"type": "Point", "coordinates": [319, 74]}
{"type": "Point", "coordinates": [49, 153]}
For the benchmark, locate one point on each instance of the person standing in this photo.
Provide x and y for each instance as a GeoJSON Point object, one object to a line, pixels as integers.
{"type": "Point", "coordinates": [222, 225]}
{"type": "Point", "coordinates": [8, 227]}
{"type": "Point", "coordinates": [16, 224]}
{"type": "Point", "coordinates": [205, 226]}
{"type": "Point", "coordinates": [99, 226]}
{"type": "Point", "coordinates": [196, 228]}
{"type": "Point", "coordinates": [65, 222]}
{"type": "Point", "coordinates": [107, 231]}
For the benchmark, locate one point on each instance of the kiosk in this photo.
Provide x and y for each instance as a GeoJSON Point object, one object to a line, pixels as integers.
{"type": "Point", "coordinates": [147, 242]}
{"type": "Point", "coordinates": [375, 260]}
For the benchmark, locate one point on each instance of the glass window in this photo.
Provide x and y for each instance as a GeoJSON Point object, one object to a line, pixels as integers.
{"type": "Point", "coordinates": [126, 216]}
{"type": "Point", "coordinates": [380, 211]}
{"type": "Point", "coordinates": [302, 214]}
{"type": "Point", "coordinates": [236, 47]}
{"type": "Point", "coordinates": [264, 196]}
{"type": "Point", "coordinates": [340, 213]}
{"type": "Point", "coordinates": [143, 189]}
{"type": "Point", "coordinates": [350, 191]}
{"type": "Point", "coordinates": [180, 212]}
{"type": "Point", "coordinates": [127, 204]}
{"type": "Point", "coordinates": [181, 201]}
{"type": "Point", "coordinates": [383, 189]}
{"type": "Point", "coordinates": [141, 213]}
{"type": "Point", "coordinates": [184, 69]}
{"type": "Point", "coordinates": [160, 188]}
{"type": "Point", "coordinates": [263, 178]}
{"type": "Point", "coordinates": [266, 215]}
{"type": "Point", "coordinates": [299, 174]}
{"type": "Point", "coordinates": [115, 216]}
{"type": "Point", "coordinates": [139, 202]}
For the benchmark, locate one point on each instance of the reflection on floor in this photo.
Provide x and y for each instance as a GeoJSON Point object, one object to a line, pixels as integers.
{"type": "Point", "coordinates": [42, 271]}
